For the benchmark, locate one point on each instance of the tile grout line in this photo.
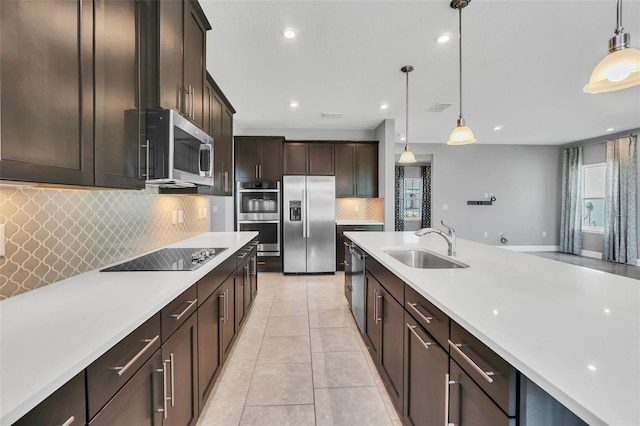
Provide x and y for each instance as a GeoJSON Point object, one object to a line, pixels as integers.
{"type": "Point", "coordinates": [313, 386]}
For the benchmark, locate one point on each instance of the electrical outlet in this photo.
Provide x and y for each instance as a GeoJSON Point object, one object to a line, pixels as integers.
{"type": "Point", "coordinates": [544, 233]}
{"type": "Point", "coordinates": [174, 217]}
{"type": "Point", "coordinates": [215, 209]}
{"type": "Point", "coordinates": [199, 213]}
{"type": "Point", "coordinates": [180, 216]}
{"type": "Point", "coordinates": [2, 249]}
{"type": "Point", "coordinates": [486, 234]}
{"type": "Point", "coordinates": [445, 207]}
{"type": "Point", "coordinates": [357, 207]}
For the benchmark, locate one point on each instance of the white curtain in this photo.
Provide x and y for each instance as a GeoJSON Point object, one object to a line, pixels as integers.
{"type": "Point", "coordinates": [571, 207]}
{"type": "Point", "coordinates": [620, 242]}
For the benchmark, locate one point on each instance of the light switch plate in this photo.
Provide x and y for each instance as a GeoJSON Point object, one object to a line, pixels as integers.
{"type": "Point", "coordinates": [174, 217]}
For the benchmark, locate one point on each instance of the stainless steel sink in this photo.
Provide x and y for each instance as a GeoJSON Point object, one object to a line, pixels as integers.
{"type": "Point", "coordinates": [420, 258]}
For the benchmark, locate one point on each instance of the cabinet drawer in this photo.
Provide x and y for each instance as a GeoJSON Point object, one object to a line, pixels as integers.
{"type": "Point", "coordinates": [269, 264]}
{"type": "Point", "coordinates": [393, 284]}
{"type": "Point", "coordinates": [210, 282]}
{"type": "Point", "coordinates": [428, 316]}
{"type": "Point", "coordinates": [139, 402]}
{"type": "Point", "coordinates": [112, 370]}
{"type": "Point", "coordinates": [177, 312]}
{"type": "Point", "coordinates": [469, 406]}
{"type": "Point", "coordinates": [500, 378]}
{"type": "Point", "coordinates": [66, 406]}
{"type": "Point", "coordinates": [243, 254]}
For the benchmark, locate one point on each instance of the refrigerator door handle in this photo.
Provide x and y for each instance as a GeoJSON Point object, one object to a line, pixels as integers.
{"type": "Point", "coordinates": [306, 221]}
{"type": "Point", "coordinates": [304, 214]}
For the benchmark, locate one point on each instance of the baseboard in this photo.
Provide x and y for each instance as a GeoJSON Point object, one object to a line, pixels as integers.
{"type": "Point", "coordinates": [531, 248]}
{"type": "Point", "coordinates": [590, 253]}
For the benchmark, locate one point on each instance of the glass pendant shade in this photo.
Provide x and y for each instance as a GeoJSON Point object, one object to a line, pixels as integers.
{"type": "Point", "coordinates": [620, 69]}
{"type": "Point", "coordinates": [407, 156]}
{"type": "Point", "coordinates": [461, 135]}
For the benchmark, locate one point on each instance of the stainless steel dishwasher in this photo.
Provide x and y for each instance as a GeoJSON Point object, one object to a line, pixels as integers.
{"type": "Point", "coordinates": [357, 285]}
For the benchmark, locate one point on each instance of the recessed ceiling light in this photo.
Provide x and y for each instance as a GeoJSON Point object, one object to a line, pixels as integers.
{"type": "Point", "coordinates": [610, 129]}
{"type": "Point", "coordinates": [403, 138]}
{"type": "Point", "coordinates": [384, 106]}
{"type": "Point", "coordinates": [498, 127]}
{"type": "Point", "coordinates": [289, 33]}
{"type": "Point", "coordinates": [293, 104]}
{"type": "Point", "coordinates": [443, 38]}
{"type": "Point", "coordinates": [592, 367]}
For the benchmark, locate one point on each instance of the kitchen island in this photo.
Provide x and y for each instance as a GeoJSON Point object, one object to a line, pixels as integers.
{"type": "Point", "coordinates": [573, 331]}
{"type": "Point", "coordinates": [49, 335]}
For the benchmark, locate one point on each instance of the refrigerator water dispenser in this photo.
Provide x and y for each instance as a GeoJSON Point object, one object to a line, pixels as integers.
{"type": "Point", "coordinates": [295, 210]}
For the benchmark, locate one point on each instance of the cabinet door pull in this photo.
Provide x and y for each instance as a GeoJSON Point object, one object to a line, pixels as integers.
{"type": "Point", "coordinates": [164, 408]}
{"type": "Point", "coordinates": [346, 263]}
{"type": "Point", "coordinates": [485, 374]}
{"type": "Point", "coordinates": [187, 92]}
{"type": "Point", "coordinates": [260, 171]}
{"type": "Point", "coordinates": [377, 310]}
{"type": "Point", "coordinates": [221, 308]}
{"type": "Point", "coordinates": [415, 333]}
{"type": "Point", "coordinates": [226, 305]}
{"type": "Point", "coordinates": [164, 394]}
{"type": "Point", "coordinates": [146, 174]}
{"type": "Point", "coordinates": [242, 256]}
{"type": "Point", "coordinates": [193, 102]}
{"type": "Point", "coordinates": [69, 421]}
{"type": "Point", "coordinates": [172, 380]}
{"type": "Point", "coordinates": [348, 244]}
{"type": "Point", "coordinates": [262, 263]}
{"type": "Point", "coordinates": [256, 171]}
{"type": "Point", "coordinates": [149, 343]}
{"type": "Point", "coordinates": [226, 181]}
{"type": "Point", "coordinates": [181, 314]}
{"type": "Point", "coordinates": [414, 307]}
{"type": "Point", "coordinates": [447, 384]}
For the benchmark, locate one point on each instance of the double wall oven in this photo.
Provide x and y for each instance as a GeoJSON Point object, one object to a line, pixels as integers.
{"type": "Point", "coordinates": [258, 209]}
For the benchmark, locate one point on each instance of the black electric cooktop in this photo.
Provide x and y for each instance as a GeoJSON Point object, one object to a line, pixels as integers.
{"type": "Point", "coordinates": [169, 259]}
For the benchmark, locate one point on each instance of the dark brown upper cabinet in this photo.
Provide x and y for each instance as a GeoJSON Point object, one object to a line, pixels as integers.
{"type": "Point", "coordinates": [218, 124]}
{"type": "Point", "coordinates": [258, 158]}
{"type": "Point", "coordinates": [308, 158]}
{"type": "Point", "coordinates": [47, 91]}
{"type": "Point", "coordinates": [182, 37]}
{"type": "Point", "coordinates": [356, 170]}
{"type": "Point", "coordinates": [72, 91]}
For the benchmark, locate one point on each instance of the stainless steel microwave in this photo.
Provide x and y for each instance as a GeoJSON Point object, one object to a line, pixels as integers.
{"type": "Point", "coordinates": [179, 153]}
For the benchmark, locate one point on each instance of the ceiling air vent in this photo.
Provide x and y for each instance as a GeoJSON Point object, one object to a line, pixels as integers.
{"type": "Point", "coordinates": [439, 107]}
{"type": "Point", "coordinates": [332, 114]}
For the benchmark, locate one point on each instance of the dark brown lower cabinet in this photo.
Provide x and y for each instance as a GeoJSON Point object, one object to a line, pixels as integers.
{"type": "Point", "coordinates": [140, 401]}
{"type": "Point", "coordinates": [210, 318]}
{"type": "Point", "coordinates": [180, 357]}
{"type": "Point", "coordinates": [66, 406]}
{"type": "Point", "coordinates": [384, 328]}
{"type": "Point", "coordinates": [227, 328]}
{"type": "Point", "coordinates": [240, 282]}
{"type": "Point", "coordinates": [426, 366]}
{"type": "Point", "coordinates": [469, 405]}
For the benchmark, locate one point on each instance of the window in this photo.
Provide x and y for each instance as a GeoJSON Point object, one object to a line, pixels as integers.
{"type": "Point", "coordinates": [593, 208]}
{"type": "Point", "coordinates": [412, 199]}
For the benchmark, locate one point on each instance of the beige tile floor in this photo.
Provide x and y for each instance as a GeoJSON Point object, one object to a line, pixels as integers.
{"type": "Point", "coordinates": [299, 360]}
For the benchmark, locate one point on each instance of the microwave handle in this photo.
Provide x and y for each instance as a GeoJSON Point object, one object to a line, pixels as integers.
{"type": "Point", "coordinates": [209, 149]}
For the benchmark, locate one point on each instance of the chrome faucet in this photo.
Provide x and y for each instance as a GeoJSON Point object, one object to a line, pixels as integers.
{"type": "Point", "coordinates": [449, 236]}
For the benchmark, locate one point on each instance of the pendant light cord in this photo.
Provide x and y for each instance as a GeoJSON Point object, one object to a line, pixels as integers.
{"type": "Point", "coordinates": [460, 54]}
{"type": "Point", "coordinates": [406, 131]}
{"type": "Point", "coordinates": [619, 29]}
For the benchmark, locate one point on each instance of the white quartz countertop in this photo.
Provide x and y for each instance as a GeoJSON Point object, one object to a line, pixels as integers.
{"type": "Point", "coordinates": [573, 331]}
{"type": "Point", "coordinates": [49, 335]}
{"type": "Point", "coordinates": [358, 222]}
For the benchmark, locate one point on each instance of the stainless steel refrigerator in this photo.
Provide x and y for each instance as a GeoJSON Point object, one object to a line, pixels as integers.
{"type": "Point", "coordinates": [309, 223]}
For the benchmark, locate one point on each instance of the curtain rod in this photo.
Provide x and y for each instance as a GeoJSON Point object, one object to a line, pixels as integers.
{"type": "Point", "coordinates": [602, 139]}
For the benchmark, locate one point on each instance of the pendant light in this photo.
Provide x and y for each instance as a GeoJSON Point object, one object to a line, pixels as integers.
{"type": "Point", "coordinates": [620, 69]}
{"type": "Point", "coordinates": [461, 135]}
{"type": "Point", "coordinates": [407, 156]}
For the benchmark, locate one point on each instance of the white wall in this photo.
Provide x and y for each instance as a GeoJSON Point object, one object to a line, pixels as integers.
{"type": "Point", "coordinates": [524, 179]}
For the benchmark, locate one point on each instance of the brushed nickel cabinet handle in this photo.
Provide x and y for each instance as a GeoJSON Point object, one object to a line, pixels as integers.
{"type": "Point", "coordinates": [164, 408]}
{"type": "Point", "coordinates": [221, 308]}
{"type": "Point", "coordinates": [181, 314]}
{"type": "Point", "coordinates": [226, 181]}
{"type": "Point", "coordinates": [193, 102]}
{"type": "Point", "coordinates": [171, 364]}
{"type": "Point", "coordinates": [242, 256]}
{"type": "Point", "coordinates": [426, 318]}
{"type": "Point", "coordinates": [446, 399]}
{"type": "Point", "coordinates": [485, 374]}
{"type": "Point", "coordinates": [415, 333]}
{"type": "Point", "coordinates": [226, 305]}
{"type": "Point", "coordinates": [149, 343]}
{"type": "Point", "coordinates": [377, 307]}
{"type": "Point", "coordinates": [69, 421]}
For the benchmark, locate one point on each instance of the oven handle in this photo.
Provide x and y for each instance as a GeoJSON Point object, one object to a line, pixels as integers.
{"type": "Point", "coordinates": [258, 221]}
{"type": "Point", "coordinates": [258, 190]}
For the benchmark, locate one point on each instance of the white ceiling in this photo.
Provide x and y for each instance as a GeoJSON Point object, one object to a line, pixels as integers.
{"type": "Point", "coordinates": [524, 65]}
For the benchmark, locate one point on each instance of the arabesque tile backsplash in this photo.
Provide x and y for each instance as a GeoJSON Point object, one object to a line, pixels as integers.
{"type": "Point", "coordinates": [360, 209]}
{"type": "Point", "coordinates": [53, 234]}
